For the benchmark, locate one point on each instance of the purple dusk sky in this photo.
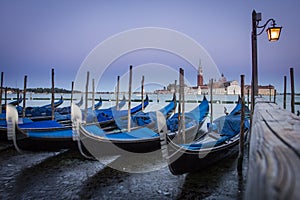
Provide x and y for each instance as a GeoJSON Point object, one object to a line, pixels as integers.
{"type": "Point", "coordinates": [37, 36]}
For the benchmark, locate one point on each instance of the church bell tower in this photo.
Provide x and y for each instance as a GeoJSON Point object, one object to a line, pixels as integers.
{"type": "Point", "coordinates": [200, 75]}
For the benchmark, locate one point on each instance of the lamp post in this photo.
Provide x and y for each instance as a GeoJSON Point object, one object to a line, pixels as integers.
{"type": "Point", "coordinates": [273, 35]}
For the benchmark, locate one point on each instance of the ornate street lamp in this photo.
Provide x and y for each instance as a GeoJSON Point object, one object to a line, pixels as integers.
{"type": "Point", "coordinates": [273, 35]}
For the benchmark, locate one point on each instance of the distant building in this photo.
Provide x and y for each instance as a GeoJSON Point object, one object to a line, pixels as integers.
{"type": "Point", "coordinates": [200, 88]}
{"type": "Point", "coordinates": [262, 89]}
{"type": "Point", "coordinates": [220, 87]}
{"type": "Point", "coordinates": [233, 88]}
{"type": "Point", "coordinates": [200, 75]}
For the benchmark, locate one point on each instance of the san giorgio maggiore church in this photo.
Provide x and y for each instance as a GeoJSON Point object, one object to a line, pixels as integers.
{"type": "Point", "coordinates": [221, 86]}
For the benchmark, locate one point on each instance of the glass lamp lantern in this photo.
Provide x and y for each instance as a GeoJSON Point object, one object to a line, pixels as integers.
{"type": "Point", "coordinates": [273, 33]}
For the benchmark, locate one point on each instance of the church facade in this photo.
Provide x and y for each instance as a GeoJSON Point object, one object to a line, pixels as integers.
{"type": "Point", "coordinates": [221, 86]}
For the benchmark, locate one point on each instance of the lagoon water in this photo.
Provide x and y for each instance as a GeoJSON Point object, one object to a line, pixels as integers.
{"type": "Point", "coordinates": [157, 101]}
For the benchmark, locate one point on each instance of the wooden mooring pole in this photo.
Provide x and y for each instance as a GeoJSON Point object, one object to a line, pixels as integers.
{"type": "Point", "coordinates": [179, 105]}
{"type": "Point", "coordinates": [241, 149]}
{"type": "Point", "coordinates": [93, 94]}
{"type": "Point", "coordinates": [18, 96]}
{"type": "Point", "coordinates": [175, 91]}
{"type": "Point", "coordinates": [5, 96]}
{"type": "Point", "coordinates": [248, 97]}
{"type": "Point", "coordinates": [72, 93]}
{"type": "Point", "coordinates": [284, 93]}
{"type": "Point", "coordinates": [129, 99]}
{"type": "Point", "coordinates": [1, 92]}
{"type": "Point", "coordinates": [183, 105]}
{"type": "Point", "coordinates": [142, 92]}
{"type": "Point", "coordinates": [52, 96]}
{"type": "Point", "coordinates": [117, 93]}
{"type": "Point", "coordinates": [175, 86]}
{"type": "Point", "coordinates": [211, 103]}
{"type": "Point", "coordinates": [292, 90]}
{"type": "Point", "coordinates": [86, 95]}
{"type": "Point", "coordinates": [270, 93]}
{"type": "Point", "coordinates": [24, 96]}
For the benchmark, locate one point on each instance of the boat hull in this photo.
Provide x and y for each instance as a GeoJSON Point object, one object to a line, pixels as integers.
{"type": "Point", "coordinates": [182, 160]}
{"type": "Point", "coordinates": [3, 133]}
{"type": "Point", "coordinates": [99, 146]}
{"type": "Point", "coordinates": [24, 142]}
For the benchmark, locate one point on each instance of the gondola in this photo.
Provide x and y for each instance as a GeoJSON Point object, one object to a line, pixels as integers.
{"type": "Point", "coordinates": [197, 114]}
{"type": "Point", "coordinates": [108, 114]}
{"type": "Point", "coordinates": [62, 115]}
{"type": "Point", "coordinates": [79, 103]}
{"type": "Point", "coordinates": [39, 112]}
{"type": "Point", "coordinates": [43, 135]}
{"type": "Point", "coordinates": [140, 139]}
{"type": "Point", "coordinates": [47, 135]}
{"type": "Point", "coordinates": [14, 103]}
{"type": "Point", "coordinates": [62, 118]}
{"type": "Point", "coordinates": [220, 142]}
{"type": "Point", "coordinates": [109, 118]}
{"type": "Point", "coordinates": [67, 109]}
{"type": "Point", "coordinates": [148, 119]}
{"type": "Point", "coordinates": [98, 105]}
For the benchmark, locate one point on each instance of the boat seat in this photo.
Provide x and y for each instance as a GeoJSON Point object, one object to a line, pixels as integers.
{"type": "Point", "coordinates": [214, 135]}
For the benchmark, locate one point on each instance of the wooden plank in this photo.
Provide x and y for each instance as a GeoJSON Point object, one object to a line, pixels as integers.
{"type": "Point", "coordinates": [274, 155]}
{"type": "Point", "coordinates": [284, 124]}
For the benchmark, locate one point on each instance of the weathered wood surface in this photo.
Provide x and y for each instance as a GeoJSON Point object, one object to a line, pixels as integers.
{"type": "Point", "coordinates": [274, 154]}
